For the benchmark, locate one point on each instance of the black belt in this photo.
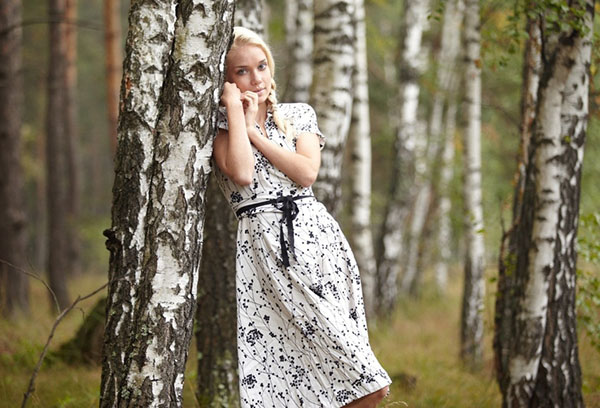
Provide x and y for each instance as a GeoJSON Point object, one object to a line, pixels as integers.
{"type": "Point", "coordinates": [290, 211]}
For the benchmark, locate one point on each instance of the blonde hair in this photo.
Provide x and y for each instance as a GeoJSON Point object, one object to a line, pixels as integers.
{"type": "Point", "coordinates": [243, 36]}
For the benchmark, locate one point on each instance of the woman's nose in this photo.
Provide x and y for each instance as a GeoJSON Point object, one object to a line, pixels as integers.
{"type": "Point", "coordinates": [255, 77]}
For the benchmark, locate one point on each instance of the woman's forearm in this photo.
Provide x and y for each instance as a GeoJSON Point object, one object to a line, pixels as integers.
{"type": "Point", "coordinates": [301, 166]}
{"type": "Point", "coordinates": [239, 159]}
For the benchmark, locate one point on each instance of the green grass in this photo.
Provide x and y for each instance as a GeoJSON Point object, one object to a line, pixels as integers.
{"type": "Point", "coordinates": [420, 341]}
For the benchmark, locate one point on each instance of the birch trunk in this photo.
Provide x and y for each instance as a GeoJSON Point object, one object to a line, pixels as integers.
{"type": "Point", "coordinates": [390, 241]}
{"type": "Point", "coordinates": [299, 37]}
{"type": "Point", "coordinates": [448, 80]}
{"type": "Point", "coordinates": [542, 366]}
{"type": "Point", "coordinates": [216, 330]}
{"type": "Point", "coordinates": [113, 63]}
{"type": "Point", "coordinates": [57, 186]}
{"type": "Point", "coordinates": [443, 232]}
{"type": "Point", "coordinates": [331, 93]}
{"type": "Point", "coordinates": [173, 72]}
{"type": "Point", "coordinates": [504, 319]}
{"type": "Point", "coordinates": [249, 14]}
{"type": "Point", "coordinates": [14, 286]}
{"type": "Point", "coordinates": [360, 136]}
{"type": "Point", "coordinates": [474, 285]}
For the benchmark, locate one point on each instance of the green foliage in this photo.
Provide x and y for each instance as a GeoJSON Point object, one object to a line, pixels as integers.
{"type": "Point", "coordinates": [588, 294]}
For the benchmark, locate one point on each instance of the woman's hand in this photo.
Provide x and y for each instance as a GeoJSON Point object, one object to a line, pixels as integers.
{"type": "Point", "coordinates": [231, 94]}
{"type": "Point", "coordinates": [250, 103]}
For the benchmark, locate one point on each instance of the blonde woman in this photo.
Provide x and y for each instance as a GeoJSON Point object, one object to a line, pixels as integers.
{"type": "Point", "coordinates": [302, 332]}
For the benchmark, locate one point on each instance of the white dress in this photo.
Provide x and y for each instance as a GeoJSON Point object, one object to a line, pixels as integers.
{"type": "Point", "coordinates": [301, 329]}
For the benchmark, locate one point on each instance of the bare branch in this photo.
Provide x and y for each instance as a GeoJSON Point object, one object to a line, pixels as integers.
{"type": "Point", "coordinates": [31, 387]}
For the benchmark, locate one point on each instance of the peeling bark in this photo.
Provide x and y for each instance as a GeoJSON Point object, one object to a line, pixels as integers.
{"type": "Point", "coordinates": [474, 285]}
{"type": "Point", "coordinates": [173, 73]}
{"type": "Point", "coordinates": [331, 93]}
{"type": "Point", "coordinates": [538, 365]}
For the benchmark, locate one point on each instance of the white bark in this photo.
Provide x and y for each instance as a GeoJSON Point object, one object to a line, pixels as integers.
{"type": "Point", "coordinates": [249, 14]}
{"type": "Point", "coordinates": [360, 135]}
{"type": "Point", "coordinates": [559, 134]}
{"type": "Point", "coordinates": [447, 79]}
{"type": "Point", "coordinates": [331, 93]}
{"type": "Point", "coordinates": [299, 36]}
{"type": "Point", "coordinates": [472, 314]}
{"type": "Point", "coordinates": [391, 239]}
{"type": "Point", "coordinates": [171, 86]}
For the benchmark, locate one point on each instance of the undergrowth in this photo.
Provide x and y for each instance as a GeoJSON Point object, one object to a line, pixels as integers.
{"type": "Point", "coordinates": [418, 346]}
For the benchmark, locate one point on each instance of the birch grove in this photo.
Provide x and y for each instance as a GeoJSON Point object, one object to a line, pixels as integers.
{"type": "Point", "coordinates": [299, 24]}
{"type": "Point", "coordinates": [390, 241]}
{"type": "Point", "coordinates": [216, 330]}
{"type": "Point", "coordinates": [14, 286]}
{"type": "Point", "coordinates": [474, 284]}
{"type": "Point", "coordinates": [360, 140]}
{"type": "Point", "coordinates": [539, 362]}
{"type": "Point", "coordinates": [173, 72]}
{"type": "Point", "coordinates": [331, 93]}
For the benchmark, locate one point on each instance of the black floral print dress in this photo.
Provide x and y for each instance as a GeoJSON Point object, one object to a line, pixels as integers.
{"type": "Point", "coordinates": [302, 333]}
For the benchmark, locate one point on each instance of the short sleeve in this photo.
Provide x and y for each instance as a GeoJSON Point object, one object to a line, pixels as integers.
{"type": "Point", "coordinates": [222, 118]}
{"type": "Point", "coordinates": [306, 122]}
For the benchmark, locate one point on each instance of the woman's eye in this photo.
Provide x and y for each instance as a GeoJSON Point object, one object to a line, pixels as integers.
{"type": "Point", "coordinates": [262, 67]}
{"type": "Point", "coordinates": [241, 71]}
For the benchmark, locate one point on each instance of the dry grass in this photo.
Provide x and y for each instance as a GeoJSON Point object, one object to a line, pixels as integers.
{"type": "Point", "coordinates": [419, 347]}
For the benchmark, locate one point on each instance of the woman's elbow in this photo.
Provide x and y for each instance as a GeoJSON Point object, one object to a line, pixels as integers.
{"type": "Point", "coordinates": [242, 179]}
{"type": "Point", "coordinates": [308, 179]}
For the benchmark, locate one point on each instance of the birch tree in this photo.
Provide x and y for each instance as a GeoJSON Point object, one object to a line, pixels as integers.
{"type": "Point", "coordinates": [173, 72]}
{"type": "Point", "coordinates": [216, 330]}
{"type": "Point", "coordinates": [14, 287]}
{"type": "Point", "coordinates": [299, 24]}
{"type": "Point", "coordinates": [448, 80]}
{"type": "Point", "coordinates": [532, 60]}
{"type": "Point", "coordinates": [360, 140]}
{"type": "Point", "coordinates": [390, 241]}
{"type": "Point", "coordinates": [474, 285]}
{"type": "Point", "coordinates": [57, 185]}
{"type": "Point", "coordinates": [536, 336]}
{"type": "Point", "coordinates": [331, 93]}
{"type": "Point", "coordinates": [249, 14]}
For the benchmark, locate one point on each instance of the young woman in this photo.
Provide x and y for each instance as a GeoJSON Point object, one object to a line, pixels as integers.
{"type": "Point", "coordinates": [302, 332]}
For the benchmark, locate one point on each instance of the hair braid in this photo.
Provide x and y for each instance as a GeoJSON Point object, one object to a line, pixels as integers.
{"type": "Point", "coordinates": [282, 123]}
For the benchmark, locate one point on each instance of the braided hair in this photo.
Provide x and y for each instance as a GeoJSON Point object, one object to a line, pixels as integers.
{"type": "Point", "coordinates": [243, 36]}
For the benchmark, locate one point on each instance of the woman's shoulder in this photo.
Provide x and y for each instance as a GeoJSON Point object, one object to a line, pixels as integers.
{"type": "Point", "coordinates": [295, 109]}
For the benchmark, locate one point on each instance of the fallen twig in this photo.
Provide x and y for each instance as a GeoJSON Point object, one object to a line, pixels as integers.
{"type": "Point", "coordinates": [31, 386]}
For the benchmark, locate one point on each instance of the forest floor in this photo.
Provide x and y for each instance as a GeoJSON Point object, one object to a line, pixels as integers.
{"type": "Point", "coordinates": [419, 347]}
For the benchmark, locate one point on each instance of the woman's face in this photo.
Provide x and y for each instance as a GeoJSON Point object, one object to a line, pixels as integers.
{"type": "Point", "coordinates": [247, 67]}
